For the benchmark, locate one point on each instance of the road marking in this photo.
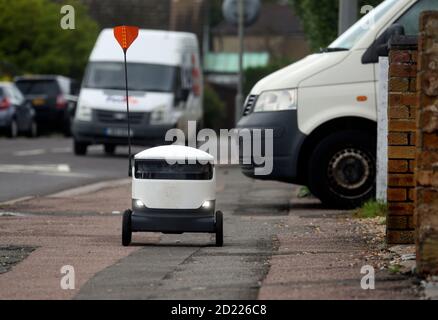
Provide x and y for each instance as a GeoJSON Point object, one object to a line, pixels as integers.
{"type": "Point", "coordinates": [62, 170]}
{"type": "Point", "coordinates": [26, 153]}
{"type": "Point", "coordinates": [29, 168]}
{"type": "Point", "coordinates": [61, 150]}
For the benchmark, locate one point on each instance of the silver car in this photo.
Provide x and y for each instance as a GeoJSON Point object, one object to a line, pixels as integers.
{"type": "Point", "coordinates": [16, 114]}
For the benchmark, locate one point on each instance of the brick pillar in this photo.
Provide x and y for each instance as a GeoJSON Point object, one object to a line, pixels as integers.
{"type": "Point", "coordinates": [427, 147]}
{"type": "Point", "coordinates": [401, 140]}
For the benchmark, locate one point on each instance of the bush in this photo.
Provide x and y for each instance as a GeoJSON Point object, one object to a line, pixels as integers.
{"type": "Point", "coordinates": [214, 109]}
{"type": "Point", "coordinates": [33, 41]}
{"type": "Point", "coordinates": [320, 19]}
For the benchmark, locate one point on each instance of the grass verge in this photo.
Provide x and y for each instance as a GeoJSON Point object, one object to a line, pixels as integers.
{"type": "Point", "coordinates": [371, 209]}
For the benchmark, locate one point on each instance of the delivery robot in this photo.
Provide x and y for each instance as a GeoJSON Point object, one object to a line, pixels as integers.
{"type": "Point", "coordinates": [173, 191]}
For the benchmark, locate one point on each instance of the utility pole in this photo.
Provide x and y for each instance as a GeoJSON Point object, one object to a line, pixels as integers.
{"type": "Point", "coordinates": [239, 96]}
{"type": "Point", "coordinates": [348, 11]}
{"type": "Point", "coordinates": [206, 30]}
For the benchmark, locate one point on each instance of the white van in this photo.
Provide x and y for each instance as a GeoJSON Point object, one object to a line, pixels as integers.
{"type": "Point", "coordinates": [323, 108]}
{"type": "Point", "coordinates": [165, 90]}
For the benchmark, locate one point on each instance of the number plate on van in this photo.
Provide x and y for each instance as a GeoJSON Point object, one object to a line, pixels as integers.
{"type": "Point", "coordinates": [118, 132]}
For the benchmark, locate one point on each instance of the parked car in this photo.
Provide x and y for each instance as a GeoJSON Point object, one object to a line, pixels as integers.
{"type": "Point", "coordinates": [53, 98]}
{"type": "Point", "coordinates": [165, 90]}
{"type": "Point", "coordinates": [16, 114]}
{"type": "Point", "coordinates": [323, 108]}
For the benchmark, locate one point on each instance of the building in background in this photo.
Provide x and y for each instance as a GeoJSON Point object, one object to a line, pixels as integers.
{"type": "Point", "coordinates": [277, 35]}
{"type": "Point", "coordinates": [278, 32]}
{"type": "Point", "coordinates": [176, 15]}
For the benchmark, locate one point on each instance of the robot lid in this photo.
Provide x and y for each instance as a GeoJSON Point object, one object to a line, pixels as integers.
{"type": "Point", "coordinates": [174, 153]}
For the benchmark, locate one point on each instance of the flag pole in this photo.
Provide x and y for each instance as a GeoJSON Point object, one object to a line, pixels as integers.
{"type": "Point", "coordinates": [127, 110]}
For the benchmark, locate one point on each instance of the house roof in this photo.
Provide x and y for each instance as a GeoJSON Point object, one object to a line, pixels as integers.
{"type": "Point", "coordinates": [274, 19]}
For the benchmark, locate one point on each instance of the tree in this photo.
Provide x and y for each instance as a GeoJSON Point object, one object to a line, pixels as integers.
{"type": "Point", "coordinates": [33, 41]}
{"type": "Point", "coordinates": [320, 19]}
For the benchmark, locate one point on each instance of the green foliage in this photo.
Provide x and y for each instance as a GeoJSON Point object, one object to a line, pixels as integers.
{"type": "Point", "coordinates": [216, 15]}
{"type": "Point", "coordinates": [320, 19]}
{"type": "Point", "coordinates": [253, 75]}
{"type": "Point", "coordinates": [372, 209]}
{"type": "Point", "coordinates": [33, 41]}
{"type": "Point", "coordinates": [304, 192]}
{"type": "Point", "coordinates": [214, 109]}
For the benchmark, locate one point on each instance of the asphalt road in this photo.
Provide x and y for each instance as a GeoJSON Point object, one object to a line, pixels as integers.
{"type": "Point", "coordinates": [35, 167]}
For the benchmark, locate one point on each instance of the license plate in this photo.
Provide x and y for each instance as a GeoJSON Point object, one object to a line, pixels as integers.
{"type": "Point", "coordinates": [38, 102]}
{"type": "Point", "coordinates": [118, 132]}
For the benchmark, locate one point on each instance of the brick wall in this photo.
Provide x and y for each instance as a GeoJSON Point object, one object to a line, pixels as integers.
{"type": "Point", "coordinates": [402, 111]}
{"type": "Point", "coordinates": [427, 147]}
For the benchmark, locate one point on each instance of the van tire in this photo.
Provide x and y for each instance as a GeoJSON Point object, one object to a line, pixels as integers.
{"type": "Point", "coordinates": [13, 129]}
{"type": "Point", "coordinates": [126, 228]}
{"type": "Point", "coordinates": [219, 226]}
{"type": "Point", "coordinates": [342, 169]}
{"type": "Point", "coordinates": [80, 148]}
{"type": "Point", "coordinates": [110, 149]}
{"type": "Point", "coordinates": [33, 129]}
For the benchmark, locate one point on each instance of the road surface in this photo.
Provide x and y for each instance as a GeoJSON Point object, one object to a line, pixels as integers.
{"type": "Point", "coordinates": [34, 167]}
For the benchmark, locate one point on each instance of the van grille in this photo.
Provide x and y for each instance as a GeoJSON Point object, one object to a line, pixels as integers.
{"type": "Point", "coordinates": [249, 106]}
{"type": "Point", "coordinates": [119, 117]}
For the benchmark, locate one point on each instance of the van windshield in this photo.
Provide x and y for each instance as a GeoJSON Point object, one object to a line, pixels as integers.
{"type": "Point", "coordinates": [350, 37]}
{"type": "Point", "coordinates": [141, 77]}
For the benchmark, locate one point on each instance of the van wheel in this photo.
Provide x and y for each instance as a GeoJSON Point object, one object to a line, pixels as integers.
{"type": "Point", "coordinates": [110, 149]}
{"type": "Point", "coordinates": [80, 148]}
{"type": "Point", "coordinates": [33, 130]}
{"type": "Point", "coordinates": [219, 229]}
{"type": "Point", "coordinates": [342, 170]}
{"type": "Point", "coordinates": [126, 228]}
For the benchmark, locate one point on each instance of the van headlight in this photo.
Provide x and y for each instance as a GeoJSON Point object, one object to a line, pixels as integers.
{"type": "Point", "coordinates": [207, 204]}
{"type": "Point", "coordinates": [278, 100]}
{"type": "Point", "coordinates": [83, 113]}
{"type": "Point", "coordinates": [138, 204]}
{"type": "Point", "coordinates": [160, 116]}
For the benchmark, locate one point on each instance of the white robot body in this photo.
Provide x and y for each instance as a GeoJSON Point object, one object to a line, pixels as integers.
{"type": "Point", "coordinates": [161, 188]}
{"type": "Point", "coordinates": [173, 191]}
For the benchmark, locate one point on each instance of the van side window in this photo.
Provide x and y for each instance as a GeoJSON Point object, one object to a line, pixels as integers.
{"type": "Point", "coordinates": [410, 19]}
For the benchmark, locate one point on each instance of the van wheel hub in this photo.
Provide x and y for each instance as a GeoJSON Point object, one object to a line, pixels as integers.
{"type": "Point", "coordinates": [350, 169]}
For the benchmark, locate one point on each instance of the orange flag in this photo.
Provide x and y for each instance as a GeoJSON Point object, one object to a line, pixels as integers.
{"type": "Point", "coordinates": [125, 36]}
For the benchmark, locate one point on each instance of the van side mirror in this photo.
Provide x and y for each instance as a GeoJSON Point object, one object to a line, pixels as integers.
{"type": "Point", "coordinates": [182, 95]}
{"type": "Point", "coordinates": [380, 47]}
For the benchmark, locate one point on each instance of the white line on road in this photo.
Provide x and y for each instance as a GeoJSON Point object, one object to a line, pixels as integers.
{"type": "Point", "coordinates": [25, 153]}
{"type": "Point", "coordinates": [59, 170]}
{"type": "Point", "coordinates": [61, 150]}
{"type": "Point", "coordinates": [29, 168]}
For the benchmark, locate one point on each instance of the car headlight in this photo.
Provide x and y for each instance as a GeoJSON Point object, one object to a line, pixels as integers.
{"type": "Point", "coordinates": [277, 100]}
{"type": "Point", "coordinates": [83, 113]}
